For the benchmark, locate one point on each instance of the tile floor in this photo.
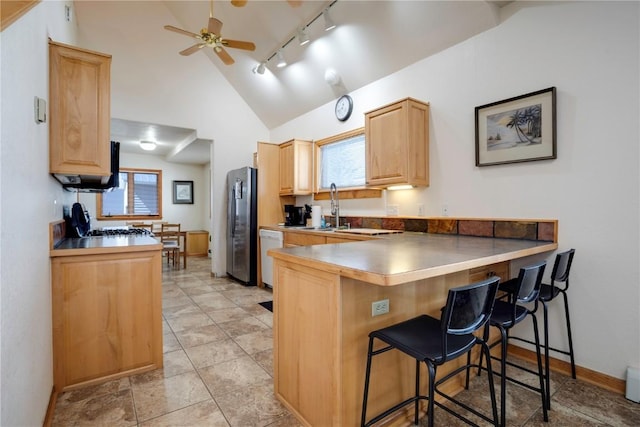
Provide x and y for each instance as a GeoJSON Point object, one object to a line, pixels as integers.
{"type": "Point", "coordinates": [218, 372]}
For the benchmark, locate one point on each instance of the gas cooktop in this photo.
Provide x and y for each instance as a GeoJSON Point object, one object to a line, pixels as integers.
{"type": "Point", "coordinates": [120, 231]}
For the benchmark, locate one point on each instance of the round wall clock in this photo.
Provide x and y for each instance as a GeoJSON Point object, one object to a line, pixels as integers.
{"type": "Point", "coordinates": [344, 106]}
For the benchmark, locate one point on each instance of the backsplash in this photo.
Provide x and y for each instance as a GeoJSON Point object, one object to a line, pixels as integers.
{"type": "Point", "coordinates": [529, 229]}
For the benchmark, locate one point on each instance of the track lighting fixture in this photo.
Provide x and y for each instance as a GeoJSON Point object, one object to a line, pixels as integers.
{"type": "Point", "coordinates": [281, 61]}
{"type": "Point", "coordinates": [259, 69]}
{"type": "Point", "coordinates": [328, 22]}
{"type": "Point", "coordinates": [301, 35]}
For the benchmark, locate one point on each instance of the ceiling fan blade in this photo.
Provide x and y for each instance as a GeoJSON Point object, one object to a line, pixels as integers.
{"type": "Point", "coordinates": [239, 3]}
{"type": "Point", "coordinates": [238, 44]}
{"type": "Point", "coordinates": [192, 49]}
{"type": "Point", "coordinates": [215, 26]}
{"type": "Point", "coordinates": [180, 31]}
{"type": "Point", "coordinates": [294, 3]}
{"type": "Point", "coordinates": [223, 55]}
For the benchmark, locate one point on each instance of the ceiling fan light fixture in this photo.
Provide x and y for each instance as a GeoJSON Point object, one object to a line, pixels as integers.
{"type": "Point", "coordinates": [328, 22]}
{"type": "Point", "coordinates": [148, 145]}
{"type": "Point", "coordinates": [303, 37]}
{"type": "Point", "coordinates": [281, 61]}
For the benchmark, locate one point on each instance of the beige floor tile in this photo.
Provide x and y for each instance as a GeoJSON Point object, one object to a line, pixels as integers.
{"type": "Point", "coordinates": [265, 359]}
{"type": "Point", "coordinates": [202, 335]}
{"type": "Point", "coordinates": [215, 352]}
{"type": "Point", "coordinates": [204, 413]}
{"type": "Point", "coordinates": [188, 321]}
{"type": "Point", "coordinates": [243, 326]}
{"type": "Point", "coordinates": [95, 391]}
{"type": "Point", "coordinates": [175, 363]}
{"type": "Point", "coordinates": [212, 301]}
{"type": "Point", "coordinates": [256, 342]}
{"type": "Point", "coordinates": [170, 343]}
{"type": "Point", "coordinates": [162, 396]}
{"type": "Point", "coordinates": [226, 314]}
{"type": "Point", "coordinates": [114, 409]}
{"type": "Point", "coordinates": [257, 408]}
{"type": "Point", "coordinates": [232, 375]}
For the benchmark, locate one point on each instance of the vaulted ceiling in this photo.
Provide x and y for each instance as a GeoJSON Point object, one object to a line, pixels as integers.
{"type": "Point", "coordinates": [372, 39]}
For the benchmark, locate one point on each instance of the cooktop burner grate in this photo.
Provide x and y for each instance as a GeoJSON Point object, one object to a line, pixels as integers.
{"type": "Point", "coordinates": [120, 231]}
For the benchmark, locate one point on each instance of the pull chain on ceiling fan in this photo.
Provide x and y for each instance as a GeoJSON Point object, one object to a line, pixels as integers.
{"type": "Point", "coordinates": [211, 37]}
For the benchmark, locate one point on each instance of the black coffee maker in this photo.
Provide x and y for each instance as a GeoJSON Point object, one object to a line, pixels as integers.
{"type": "Point", "coordinates": [293, 215]}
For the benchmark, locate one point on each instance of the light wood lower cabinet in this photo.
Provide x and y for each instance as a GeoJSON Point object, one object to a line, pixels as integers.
{"type": "Point", "coordinates": [107, 316]}
{"type": "Point", "coordinates": [197, 243]}
{"type": "Point", "coordinates": [304, 238]}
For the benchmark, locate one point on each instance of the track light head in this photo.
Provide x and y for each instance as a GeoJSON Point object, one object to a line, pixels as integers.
{"type": "Point", "coordinates": [328, 22]}
{"type": "Point", "coordinates": [259, 69]}
{"type": "Point", "coordinates": [281, 61]}
{"type": "Point", "coordinates": [303, 37]}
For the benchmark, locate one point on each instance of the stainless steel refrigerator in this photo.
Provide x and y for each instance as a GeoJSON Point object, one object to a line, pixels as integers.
{"type": "Point", "coordinates": [242, 225]}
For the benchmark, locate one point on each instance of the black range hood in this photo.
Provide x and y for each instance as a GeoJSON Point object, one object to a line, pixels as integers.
{"type": "Point", "coordinates": [92, 183]}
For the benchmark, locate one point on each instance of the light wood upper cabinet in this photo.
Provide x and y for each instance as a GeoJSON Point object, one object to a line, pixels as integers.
{"type": "Point", "coordinates": [79, 112]}
{"type": "Point", "coordinates": [296, 168]}
{"type": "Point", "coordinates": [397, 144]}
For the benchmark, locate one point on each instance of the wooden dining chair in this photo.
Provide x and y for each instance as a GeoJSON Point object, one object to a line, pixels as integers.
{"type": "Point", "coordinates": [142, 225]}
{"type": "Point", "coordinates": [170, 238]}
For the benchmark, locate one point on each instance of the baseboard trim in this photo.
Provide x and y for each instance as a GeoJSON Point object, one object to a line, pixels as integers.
{"type": "Point", "coordinates": [51, 409]}
{"type": "Point", "coordinates": [615, 385]}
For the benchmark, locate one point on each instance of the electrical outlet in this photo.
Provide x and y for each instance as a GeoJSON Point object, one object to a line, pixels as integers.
{"type": "Point", "coordinates": [420, 209]}
{"type": "Point", "coordinates": [379, 307]}
{"type": "Point", "coordinates": [445, 210]}
{"type": "Point", "coordinates": [393, 210]}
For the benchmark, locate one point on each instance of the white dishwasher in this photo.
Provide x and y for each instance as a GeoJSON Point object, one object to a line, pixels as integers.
{"type": "Point", "coordinates": [269, 239]}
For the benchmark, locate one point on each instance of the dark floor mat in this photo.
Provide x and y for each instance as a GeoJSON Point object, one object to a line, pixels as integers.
{"type": "Point", "coordinates": [267, 304]}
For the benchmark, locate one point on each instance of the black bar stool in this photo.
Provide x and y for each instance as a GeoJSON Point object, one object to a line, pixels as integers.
{"type": "Point", "coordinates": [436, 341]}
{"type": "Point", "coordinates": [548, 292]}
{"type": "Point", "coordinates": [506, 314]}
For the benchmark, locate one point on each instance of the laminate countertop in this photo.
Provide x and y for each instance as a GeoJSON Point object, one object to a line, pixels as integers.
{"type": "Point", "coordinates": [105, 245]}
{"type": "Point", "coordinates": [401, 258]}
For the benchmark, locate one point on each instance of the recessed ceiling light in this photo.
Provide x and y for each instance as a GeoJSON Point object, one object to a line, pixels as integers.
{"type": "Point", "coordinates": [148, 145]}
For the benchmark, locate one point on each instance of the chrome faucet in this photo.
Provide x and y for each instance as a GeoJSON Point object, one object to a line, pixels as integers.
{"type": "Point", "coordinates": [335, 204]}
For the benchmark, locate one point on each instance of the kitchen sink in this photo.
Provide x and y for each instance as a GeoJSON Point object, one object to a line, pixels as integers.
{"type": "Point", "coordinates": [319, 229]}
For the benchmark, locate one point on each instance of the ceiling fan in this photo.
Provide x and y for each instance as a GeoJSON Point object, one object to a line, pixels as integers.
{"type": "Point", "coordinates": [211, 37]}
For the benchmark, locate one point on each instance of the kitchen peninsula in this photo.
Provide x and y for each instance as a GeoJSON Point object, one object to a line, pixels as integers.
{"type": "Point", "coordinates": [107, 307]}
{"type": "Point", "coordinates": [323, 297]}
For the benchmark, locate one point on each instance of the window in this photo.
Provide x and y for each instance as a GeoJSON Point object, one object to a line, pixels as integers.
{"type": "Point", "coordinates": [340, 159]}
{"type": "Point", "coordinates": [138, 196]}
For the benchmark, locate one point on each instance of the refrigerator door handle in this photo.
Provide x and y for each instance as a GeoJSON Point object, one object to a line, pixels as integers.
{"type": "Point", "coordinates": [233, 213]}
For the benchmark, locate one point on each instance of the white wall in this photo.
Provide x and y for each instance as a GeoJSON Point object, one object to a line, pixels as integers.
{"type": "Point", "coordinates": [29, 200]}
{"type": "Point", "coordinates": [590, 52]}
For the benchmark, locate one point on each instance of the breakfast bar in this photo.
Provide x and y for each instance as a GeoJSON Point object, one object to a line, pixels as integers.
{"type": "Point", "coordinates": [323, 313]}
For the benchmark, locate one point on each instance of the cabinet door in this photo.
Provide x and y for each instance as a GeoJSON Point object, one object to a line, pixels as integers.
{"type": "Point", "coordinates": [286, 168]}
{"type": "Point", "coordinates": [107, 317]}
{"type": "Point", "coordinates": [197, 243]}
{"type": "Point", "coordinates": [386, 145]}
{"type": "Point", "coordinates": [397, 144]}
{"type": "Point", "coordinates": [296, 157]}
{"type": "Point", "coordinates": [79, 111]}
{"type": "Point", "coordinates": [303, 239]}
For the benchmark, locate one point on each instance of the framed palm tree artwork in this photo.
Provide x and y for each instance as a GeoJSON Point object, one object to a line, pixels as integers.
{"type": "Point", "coordinates": [519, 129]}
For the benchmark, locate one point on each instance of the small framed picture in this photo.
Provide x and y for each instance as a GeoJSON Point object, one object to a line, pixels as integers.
{"type": "Point", "coordinates": [520, 129]}
{"type": "Point", "coordinates": [183, 192]}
